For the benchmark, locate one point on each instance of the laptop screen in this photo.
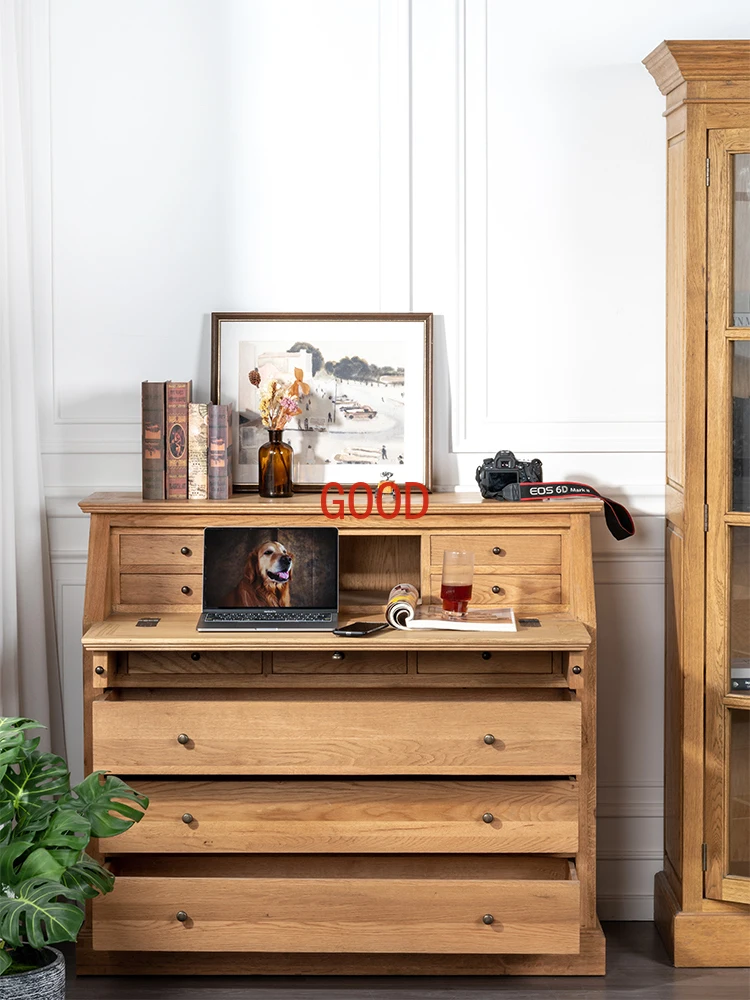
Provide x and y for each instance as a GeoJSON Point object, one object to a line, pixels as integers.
{"type": "Point", "coordinates": [270, 568]}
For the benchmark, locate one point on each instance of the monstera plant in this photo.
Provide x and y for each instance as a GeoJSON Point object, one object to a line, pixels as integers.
{"type": "Point", "coordinates": [45, 826]}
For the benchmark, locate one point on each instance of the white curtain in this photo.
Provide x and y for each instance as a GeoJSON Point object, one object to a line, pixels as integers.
{"type": "Point", "coordinates": [29, 675]}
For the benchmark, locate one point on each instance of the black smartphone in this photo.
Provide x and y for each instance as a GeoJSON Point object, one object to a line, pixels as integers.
{"type": "Point", "coordinates": [357, 629]}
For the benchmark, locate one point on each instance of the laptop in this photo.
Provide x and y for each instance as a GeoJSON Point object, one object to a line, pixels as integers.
{"type": "Point", "coordinates": [270, 580]}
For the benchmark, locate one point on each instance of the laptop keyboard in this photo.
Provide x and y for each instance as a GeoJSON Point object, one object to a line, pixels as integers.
{"type": "Point", "coordinates": [267, 616]}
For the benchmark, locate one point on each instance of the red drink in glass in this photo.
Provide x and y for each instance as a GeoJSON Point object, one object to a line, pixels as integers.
{"type": "Point", "coordinates": [455, 598]}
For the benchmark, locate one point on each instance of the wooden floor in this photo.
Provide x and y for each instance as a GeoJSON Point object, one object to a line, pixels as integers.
{"type": "Point", "coordinates": [637, 964]}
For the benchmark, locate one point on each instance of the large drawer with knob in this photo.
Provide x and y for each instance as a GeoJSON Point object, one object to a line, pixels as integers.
{"type": "Point", "coordinates": [175, 663]}
{"type": "Point", "coordinates": [524, 732]}
{"type": "Point", "coordinates": [340, 662]}
{"type": "Point", "coordinates": [537, 589]}
{"type": "Point", "coordinates": [512, 905]}
{"type": "Point", "coordinates": [339, 816]}
{"type": "Point", "coordinates": [500, 550]}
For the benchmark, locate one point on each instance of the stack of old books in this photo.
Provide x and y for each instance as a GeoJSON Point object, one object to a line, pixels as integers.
{"type": "Point", "coordinates": [187, 447]}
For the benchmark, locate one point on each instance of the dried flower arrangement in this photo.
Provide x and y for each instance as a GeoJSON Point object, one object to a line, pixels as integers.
{"type": "Point", "coordinates": [279, 400]}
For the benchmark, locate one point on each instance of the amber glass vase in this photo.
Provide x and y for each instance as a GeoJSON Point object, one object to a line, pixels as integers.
{"type": "Point", "coordinates": [275, 467]}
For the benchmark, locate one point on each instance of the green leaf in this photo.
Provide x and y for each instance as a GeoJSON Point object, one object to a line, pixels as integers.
{"type": "Point", "coordinates": [35, 915]}
{"type": "Point", "coordinates": [41, 864]}
{"type": "Point", "coordinates": [66, 828]}
{"type": "Point", "coordinates": [12, 737]}
{"type": "Point", "coordinates": [38, 777]}
{"type": "Point", "coordinates": [90, 877]}
{"type": "Point", "coordinates": [9, 855]}
{"type": "Point", "coordinates": [5, 960]}
{"type": "Point", "coordinates": [110, 805]}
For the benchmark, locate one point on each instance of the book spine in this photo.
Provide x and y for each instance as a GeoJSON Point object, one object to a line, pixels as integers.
{"type": "Point", "coordinates": [197, 451]}
{"type": "Point", "coordinates": [219, 452]}
{"type": "Point", "coordinates": [178, 397]}
{"type": "Point", "coordinates": [153, 440]}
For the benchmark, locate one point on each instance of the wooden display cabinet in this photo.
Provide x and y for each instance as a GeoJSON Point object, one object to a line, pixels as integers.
{"type": "Point", "coordinates": [702, 895]}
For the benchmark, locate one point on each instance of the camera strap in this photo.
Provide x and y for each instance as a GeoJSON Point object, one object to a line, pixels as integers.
{"type": "Point", "coordinates": [618, 518]}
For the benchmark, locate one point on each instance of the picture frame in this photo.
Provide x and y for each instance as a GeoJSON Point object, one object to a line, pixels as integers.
{"type": "Point", "coordinates": [365, 419]}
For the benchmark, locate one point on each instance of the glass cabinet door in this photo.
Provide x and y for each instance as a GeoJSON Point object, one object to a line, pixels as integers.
{"type": "Point", "coordinates": [727, 805]}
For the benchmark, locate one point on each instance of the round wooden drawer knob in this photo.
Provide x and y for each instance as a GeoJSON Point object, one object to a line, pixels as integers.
{"type": "Point", "coordinates": [486, 656]}
{"type": "Point", "coordinates": [181, 916]}
{"type": "Point", "coordinates": [489, 739]}
{"type": "Point", "coordinates": [497, 551]}
{"type": "Point", "coordinates": [186, 590]}
{"type": "Point", "coordinates": [99, 670]}
{"type": "Point", "coordinates": [183, 738]}
{"type": "Point", "coordinates": [488, 919]}
{"type": "Point", "coordinates": [187, 818]}
{"type": "Point", "coordinates": [498, 590]}
{"type": "Point", "coordinates": [338, 656]}
{"type": "Point", "coordinates": [185, 551]}
{"type": "Point", "coordinates": [195, 656]}
{"type": "Point", "coordinates": [487, 817]}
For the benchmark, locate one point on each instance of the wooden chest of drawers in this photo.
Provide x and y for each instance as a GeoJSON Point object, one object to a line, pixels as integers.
{"type": "Point", "coordinates": [411, 802]}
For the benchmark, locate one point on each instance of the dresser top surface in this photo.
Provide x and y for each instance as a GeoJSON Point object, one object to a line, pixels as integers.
{"type": "Point", "coordinates": [178, 631]}
{"type": "Point", "coordinates": [310, 503]}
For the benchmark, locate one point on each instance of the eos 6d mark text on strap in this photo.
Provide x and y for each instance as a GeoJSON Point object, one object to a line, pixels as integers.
{"type": "Point", "coordinates": [506, 478]}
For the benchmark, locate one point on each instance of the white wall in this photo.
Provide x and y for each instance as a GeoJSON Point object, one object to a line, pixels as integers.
{"type": "Point", "coordinates": [498, 164]}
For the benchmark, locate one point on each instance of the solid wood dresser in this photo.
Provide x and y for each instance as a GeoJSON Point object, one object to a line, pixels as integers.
{"type": "Point", "coordinates": [410, 802]}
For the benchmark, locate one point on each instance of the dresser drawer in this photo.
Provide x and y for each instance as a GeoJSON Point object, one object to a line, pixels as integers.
{"type": "Point", "coordinates": [318, 817]}
{"type": "Point", "coordinates": [310, 732]}
{"type": "Point", "coordinates": [156, 589]}
{"type": "Point", "coordinates": [350, 905]}
{"type": "Point", "coordinates": [484, 662]}
{"type": "Point", "coordinates": [340, 662]}
{"type": "Point", "coordinates": [203, 662]}
{"type": "Point", "coordinates": [500, 550]}
{"type": "Point", "coordinates": [510, 589]}
{"type": "Point", "coordinates": [164, 549]}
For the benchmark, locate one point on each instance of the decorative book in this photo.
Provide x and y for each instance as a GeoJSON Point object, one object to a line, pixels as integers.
{"type": "Point", "coordinates": [197, 451]}
{"type": "Point", "coordinates": [153, 440]}
{"type": "Point", "coordinates": [178, 397]}
{"type": "Point", "coordinates": [220, 451]}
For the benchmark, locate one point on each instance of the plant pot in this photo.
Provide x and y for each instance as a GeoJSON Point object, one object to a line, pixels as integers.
{"type": "Point", "coordinates": [46, 983]}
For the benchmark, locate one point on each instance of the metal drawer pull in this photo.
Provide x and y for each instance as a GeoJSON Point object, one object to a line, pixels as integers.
{"type": "Point", "coordinates": [497, 590]}
{"type": "Point", "coordinates": [497, 551]}
{"type": "Point", "coordinates": [187, 818]}
{"type": "Point", "coordinates": [489, 739]}
{"type": "Point", "coordinates": [487, 817]}
{"type": "Point", "coordinates": [181, 916]}
{"type": "Point", "coordinates": [338, 656]}
{"type": "Point", "coordinates": [195, 656]}
{"type": "Point", "coordinates": [488, 919]}
{"type": "Point", "coordinates": [186, 590]}
{"type": "Point", "coordinates": [185, 551]}
{"type": "Point", "coordinates": [183, 738]}
{"type": "Point", "coordinates": [486, 656]}
{"type": "Point", "coordinates": [99, 670]}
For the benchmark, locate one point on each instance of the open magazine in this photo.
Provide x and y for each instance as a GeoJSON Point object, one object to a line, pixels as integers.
{"type": "Point", "coordinates": [404, 611]}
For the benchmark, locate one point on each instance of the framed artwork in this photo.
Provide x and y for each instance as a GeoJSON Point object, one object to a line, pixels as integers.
{"type": "Point", "coordinates": [368, 413]}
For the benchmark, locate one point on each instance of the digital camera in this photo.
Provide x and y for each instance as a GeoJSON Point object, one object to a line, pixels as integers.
{"type": "Point", "coordinates": [496, 475]}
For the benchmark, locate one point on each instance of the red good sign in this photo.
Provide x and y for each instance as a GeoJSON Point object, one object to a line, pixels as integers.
{"type": "Point", "coordinates": [334, 507]}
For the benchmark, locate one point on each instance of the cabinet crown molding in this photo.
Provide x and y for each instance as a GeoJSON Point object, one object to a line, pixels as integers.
{"type": "Point", "coordinates": [676, 62]}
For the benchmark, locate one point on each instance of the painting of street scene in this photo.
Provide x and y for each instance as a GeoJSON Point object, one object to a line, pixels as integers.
{"type": "Point", "coordinates": [352, 416]}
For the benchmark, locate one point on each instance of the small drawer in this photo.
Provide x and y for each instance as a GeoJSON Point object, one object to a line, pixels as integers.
{"type": "Point", "coordinates": [203, 662]}
{"type": "Point", "coordinates": [340, 662]}
{"type": "Point", "coordinates": [500, 550]}
{"type": "Point", "coordinates": [368, 817]}
{"type": "Point", "coordinates": [519, 905]}
{"type": "Point", "coordinates": [538, 589]}
{"type": "Point", "coordinates": [158, 589]}
{"type": "Point", "coordinates": [167, 549]}
{"type": "Point", "coordinates": [349, 733]}
{"type": "Point", "coordinates": [484, 662]}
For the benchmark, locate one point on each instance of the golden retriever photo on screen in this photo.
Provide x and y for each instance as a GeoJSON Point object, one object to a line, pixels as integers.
{"type": "Point", "coordinates": [268, 573]}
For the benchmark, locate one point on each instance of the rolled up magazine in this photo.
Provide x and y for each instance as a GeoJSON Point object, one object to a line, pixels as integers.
{"type": "Point", "coordinates": [403, 611]}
